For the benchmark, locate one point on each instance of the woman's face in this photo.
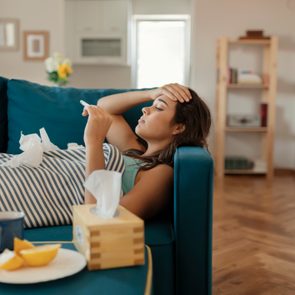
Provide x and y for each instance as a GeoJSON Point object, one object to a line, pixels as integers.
{"type": "Point", "coordinates": [156, 122]}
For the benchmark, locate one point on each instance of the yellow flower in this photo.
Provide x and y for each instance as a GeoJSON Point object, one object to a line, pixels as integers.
{"type": "Point", "coordinates": [64, 70]}
{"type": "Point", "coordinates": [58, 69]}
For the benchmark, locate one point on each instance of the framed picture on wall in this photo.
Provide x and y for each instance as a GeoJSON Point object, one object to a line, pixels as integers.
{"type": "Point", "coordinates": [36, 45]}
{"type": "Point", "coordinates": [9, 34]}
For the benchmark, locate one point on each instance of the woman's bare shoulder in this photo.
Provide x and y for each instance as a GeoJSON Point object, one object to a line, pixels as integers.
{"type": "Point", "coordinates": [163, 168]}
{"type": "Point", "coordinates": [161, 171]}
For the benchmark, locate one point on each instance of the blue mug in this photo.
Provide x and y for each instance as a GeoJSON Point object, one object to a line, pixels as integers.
{"type": "Point", "coordinates": [11, 226]}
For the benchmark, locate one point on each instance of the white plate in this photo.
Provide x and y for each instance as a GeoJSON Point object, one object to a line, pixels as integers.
{"type": "Point", "coordinates": [66, 263]}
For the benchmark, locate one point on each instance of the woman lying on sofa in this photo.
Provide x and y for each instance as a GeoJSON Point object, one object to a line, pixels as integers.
{"type": "Point", "coordinates": [177, 117]}
{"type": "Point", "coordinates": [46, 194]}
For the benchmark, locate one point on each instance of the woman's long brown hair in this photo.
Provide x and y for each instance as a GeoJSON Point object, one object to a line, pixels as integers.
{"type": "Point", "coordinates": [195, 116]}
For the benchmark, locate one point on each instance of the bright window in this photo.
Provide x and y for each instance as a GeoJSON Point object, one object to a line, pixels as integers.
{"type": "Point", "coordinates": [161, 50]}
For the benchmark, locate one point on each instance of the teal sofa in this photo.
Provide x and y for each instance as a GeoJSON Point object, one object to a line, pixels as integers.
{"type": "Point", "coordinates": [180, 238]}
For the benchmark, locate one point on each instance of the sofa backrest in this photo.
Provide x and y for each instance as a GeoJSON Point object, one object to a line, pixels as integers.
{"type": "Point", "coordinates": [32, 106]}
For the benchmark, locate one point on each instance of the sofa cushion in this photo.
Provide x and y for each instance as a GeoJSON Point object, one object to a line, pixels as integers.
{"type": "Point", "coordinates": [3, 115]}
{"type": "Point", "coordinates": [32, 106]}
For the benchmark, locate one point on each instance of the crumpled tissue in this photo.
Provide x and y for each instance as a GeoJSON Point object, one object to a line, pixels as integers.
{"type": "Point", "coordinates": [105, 186]}
{"type": "Point", "coordinates": [33, 147]}
{"type": "Point", "coordinates": [74, 146]}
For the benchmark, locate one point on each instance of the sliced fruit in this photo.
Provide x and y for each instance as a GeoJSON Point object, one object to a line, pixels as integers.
{"type": "Point", "coordinates": [9, 260]}
{"type": "Point", "coordinates": [21, 245]}
{"type": "Point", "coordinates": [40, 255]}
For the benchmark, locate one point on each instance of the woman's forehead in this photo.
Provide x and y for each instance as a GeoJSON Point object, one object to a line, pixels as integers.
{"type": "Point", "coordinates": [166, 100]}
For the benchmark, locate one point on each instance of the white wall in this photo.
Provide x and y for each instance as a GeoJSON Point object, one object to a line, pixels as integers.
{"type": "Point", "coordinates": [161, 6]}
{"type": "Point", "coordinates": [214, 18]}
{"type": "Point", "coordinates": [33, 15]}
{"type": "Point", "coordinates": [49, 15]}
{"type": "Point", "coordinates": [120, 76]}
{"type": "Point", "coordinates": [211, 19]}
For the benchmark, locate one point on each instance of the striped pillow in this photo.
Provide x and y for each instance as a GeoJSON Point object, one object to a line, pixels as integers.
{"type": "Point", "coordinates": [46, 194]}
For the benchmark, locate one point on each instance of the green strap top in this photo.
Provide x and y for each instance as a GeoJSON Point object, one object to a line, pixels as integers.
{"type": "Point", "coordinates": [131, 168]}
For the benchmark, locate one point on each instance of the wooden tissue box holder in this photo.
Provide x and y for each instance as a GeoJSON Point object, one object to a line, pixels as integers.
{"type": "Point", "coordinates": [108, 243]}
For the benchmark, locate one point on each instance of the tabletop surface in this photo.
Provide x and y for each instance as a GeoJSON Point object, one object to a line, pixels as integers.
{"type": "Point", "coordinates": [127, 280]}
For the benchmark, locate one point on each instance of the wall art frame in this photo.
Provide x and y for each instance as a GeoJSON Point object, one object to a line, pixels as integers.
{"type": "Point", "coordinates": [36, 45]}
{"type": "Point", "coordinates": [9, 34]}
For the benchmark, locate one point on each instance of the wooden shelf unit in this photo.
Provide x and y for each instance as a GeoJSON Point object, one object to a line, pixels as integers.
{"type": "Point", "coordinates": [246, 129]}
{"type": "Point", "coordinates": [266, 42]}
{"type": "Point", "coordinates": [268, 95]}
{"type": "Point", "coordinates": [246, 171]}
{"type": "Point", "coordinates": [247, 86]}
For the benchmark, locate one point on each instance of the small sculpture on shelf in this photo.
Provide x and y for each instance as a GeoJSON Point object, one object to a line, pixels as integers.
{"type": "Point", "coordinates": [243, 120]}
{"type": "Point", "coordinates": [254, 34]}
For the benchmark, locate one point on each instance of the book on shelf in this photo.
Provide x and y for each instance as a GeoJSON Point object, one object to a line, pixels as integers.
{"type": "Point", "coordinates": [263, 114]}
{"type": "Point", "coordinates": [249, 77]}
{"type": "Point", "coordinates": [232, 76]}
{"type": "Point", "coordinates": [236, 76]}
{"type": "Point", "coordinates": [238, 163]}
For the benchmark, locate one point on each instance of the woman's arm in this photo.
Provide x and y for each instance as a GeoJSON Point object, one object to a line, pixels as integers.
{"type": "Point", "coordinates": [117, 104]}
{"type": "Point", "coordinates": [120, 134]}
{"type": "Point", "coordinates": [151, 192]}
{"type": "Point", "coordinates": [94, 161]}
{"type": "Point", "coordinates": [99, 121]}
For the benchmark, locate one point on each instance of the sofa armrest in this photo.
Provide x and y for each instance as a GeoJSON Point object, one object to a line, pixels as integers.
{"type": "Point", "coordinates": [193, 189]}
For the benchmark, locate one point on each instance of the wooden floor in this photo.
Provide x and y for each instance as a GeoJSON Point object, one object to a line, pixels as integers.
{"type": "Point", "coordinates": [254, 236]}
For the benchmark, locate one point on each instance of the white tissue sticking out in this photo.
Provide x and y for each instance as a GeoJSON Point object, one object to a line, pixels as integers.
{"type": "Point", "coordinates": [46, 143]}
{"type": "Point", "coordinates": [105, 186]}
{"type": "Point", "coordinates": [33, 147]}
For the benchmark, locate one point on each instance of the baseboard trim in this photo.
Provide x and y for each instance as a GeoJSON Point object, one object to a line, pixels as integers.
{"type": "Point", "coordinates": [284, 172]}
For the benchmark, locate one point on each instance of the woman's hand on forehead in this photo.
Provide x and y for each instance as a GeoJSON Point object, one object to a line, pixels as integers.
{"type": "Point", "coordinates": [173, 91]}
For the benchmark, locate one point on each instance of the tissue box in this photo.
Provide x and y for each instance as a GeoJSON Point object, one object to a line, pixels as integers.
{"type": "Point", "coordinates": [108, 243]}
